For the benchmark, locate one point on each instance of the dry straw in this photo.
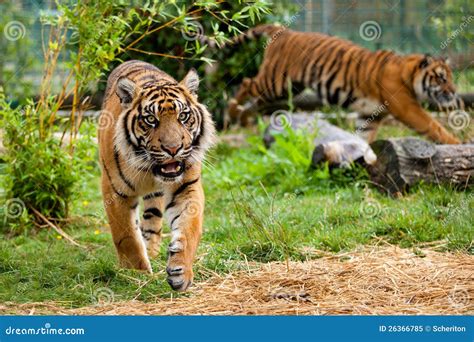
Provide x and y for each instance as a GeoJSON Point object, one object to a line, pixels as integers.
{"type": "Point", "coordinates": [378, 281]}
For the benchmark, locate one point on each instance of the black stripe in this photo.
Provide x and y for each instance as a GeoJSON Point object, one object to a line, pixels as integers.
{"type": "Point", "coordinates": [319, 90]}
{"type": "Point", "coordinates": [179, 191]}
{"type": "Point", "coordinates": [152, 90]}
{"type": "Point", "coordinates": [333, 98]}
{"type": "Point", "coordinates": [124, 179]}
{"type": "Point", "coordinates": [173, 220]}
{"type": "Point", "coordinates": [153, 211]}
{"type": "Point", "coordinates": [272, 92]}
{"type": "Point", "coordinates": [131, 72]}
{"type": "Point", "coordinates": [347, 65]}
{"type": "Point", "coordinates": [153, 195]}
{"type": "Point", "coordinates": [151, 231]}
{"type": "Point", "coordinates": [127, 133]}
{"type": "Point", "coordinates": [308, 66]}
{"type": "Point", "coordinates": [354, 76]}
{"type": "Point", "coordinates": [121, 240]}
{"type": "Point", "coordinates": [423, 82]}
{"type": "Point", "coordinates": [154, 97]}
{"type": "Point", "coordinates": [197, 138]}
{"type": "Point", "coordinates": [349, 100]}
{"type": "Point", "coordinates": [133, 207]}
{"type": "Point", "coordinates": [132, 129]}
{"type": "Point", "coordinates": [121, 194]}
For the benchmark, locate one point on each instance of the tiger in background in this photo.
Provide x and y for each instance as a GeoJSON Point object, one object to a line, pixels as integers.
{"type": "Point", "coordinates": [343, 73]}
{"type": "Point", "coordinates": [151, 147]}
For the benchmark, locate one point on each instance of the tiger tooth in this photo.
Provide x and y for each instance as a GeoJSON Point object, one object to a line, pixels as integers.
{"type": "Point", "coordinates": [178, 168]}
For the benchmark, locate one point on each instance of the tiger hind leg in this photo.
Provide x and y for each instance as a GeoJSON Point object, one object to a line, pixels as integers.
{"type": "Point", "coordinates": [367, 127]}
{"type": "Point", "coordinates": [151, 223]}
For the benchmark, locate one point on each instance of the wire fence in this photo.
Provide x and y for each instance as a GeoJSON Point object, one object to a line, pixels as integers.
{"type": "Point", "coordinates": [438, 27]}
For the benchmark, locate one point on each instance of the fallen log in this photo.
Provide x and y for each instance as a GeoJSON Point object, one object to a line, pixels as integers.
{"type": "Point", "coordinates": [404, 162]}
{"type": "Point", "coordinates": [332, 144]}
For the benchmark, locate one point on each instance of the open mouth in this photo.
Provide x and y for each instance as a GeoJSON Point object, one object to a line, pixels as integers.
{"type": "Point", "coordinates": [170, 169]}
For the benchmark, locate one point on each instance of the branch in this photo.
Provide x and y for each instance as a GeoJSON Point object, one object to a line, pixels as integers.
{"type": "Point", "coordinates": [160, 54]}
{"type": "Point", "coordinates": [56, 228]}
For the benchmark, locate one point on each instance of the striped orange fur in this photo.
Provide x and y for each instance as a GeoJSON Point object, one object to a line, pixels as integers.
{"type": "Point", "coordinates": [343, 73]}
{"type": "Point", "coordinates": [152, 139]}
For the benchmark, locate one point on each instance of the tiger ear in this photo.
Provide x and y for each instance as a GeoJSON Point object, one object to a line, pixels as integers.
{"type": "Point", "coordinates": [125, 90]}
{"type": "Point", "coordinates": [191, 81]}
{"type": "Point", "coordinates": [427, 60]}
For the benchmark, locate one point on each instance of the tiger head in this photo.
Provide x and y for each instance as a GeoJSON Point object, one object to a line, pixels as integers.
{"type": "Point", "coordinates": [433, 81]}
{"type": "Point", "coordinates": [163, 128]}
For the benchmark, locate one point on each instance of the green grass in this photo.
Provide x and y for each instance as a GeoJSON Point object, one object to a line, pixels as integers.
{"type": "Point", "coordinates": [260, 206]}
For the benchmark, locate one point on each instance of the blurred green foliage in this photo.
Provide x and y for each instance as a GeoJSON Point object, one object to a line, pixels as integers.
{"type": "Point", "coordinates": [222, 76]}
{"type": "Point", "coordinates": [16, 55]}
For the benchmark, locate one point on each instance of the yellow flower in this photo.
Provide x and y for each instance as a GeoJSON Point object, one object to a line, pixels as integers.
{"type": "Point", "coordinates": [97, 232]}
{"type": "Point", "coordinates": [85, 203]}
{"type": "Point", "coordinates": [59, 237]}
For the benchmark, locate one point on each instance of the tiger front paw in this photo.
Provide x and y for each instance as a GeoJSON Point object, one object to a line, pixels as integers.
{"type": "Point", "coordinates": [140, 263]}
{"type": "Point", "coordinates": [179, 269]}
{"type": "Point", "coordinates": [132, 254]}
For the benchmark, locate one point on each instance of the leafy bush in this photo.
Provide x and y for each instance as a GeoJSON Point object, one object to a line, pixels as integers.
{"type": "Point", "coordinates": [230, 65]}
{"type": "Point", "coordinates": [42, 175]}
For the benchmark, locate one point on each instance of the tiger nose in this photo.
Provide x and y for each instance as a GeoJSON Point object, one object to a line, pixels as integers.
{"type": "Point", "coordinates": [171, 149]}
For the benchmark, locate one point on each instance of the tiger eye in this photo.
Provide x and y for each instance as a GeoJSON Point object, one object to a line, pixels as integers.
{"type": "Point", "coordinates": [150, 120]}
{"type": "Point", "coordinates": [183, 116]}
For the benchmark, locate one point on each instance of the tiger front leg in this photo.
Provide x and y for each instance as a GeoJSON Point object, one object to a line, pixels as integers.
{"type": "Point", "coordinates": [408, 111]}
{"type": "Point", "coordinates": [121, 212]}
{"type": "Point", "coordinates": [151, 223]}
{"type": "Point", "coordinates": [236, 108]}
{"type": "Point", "coordinates": [185, 217]}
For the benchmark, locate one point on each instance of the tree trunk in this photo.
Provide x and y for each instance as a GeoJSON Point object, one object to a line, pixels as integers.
{"type": "Point", "coordinates": [403, 162]}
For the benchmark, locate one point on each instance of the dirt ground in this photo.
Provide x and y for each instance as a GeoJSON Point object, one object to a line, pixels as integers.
{"type": "Point", "coordinates": [376, 281]}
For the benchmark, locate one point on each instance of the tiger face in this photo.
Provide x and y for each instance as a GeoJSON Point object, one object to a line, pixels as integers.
{"type": "Point", "coordinates": [434, 82]}
{"type": "Point", "coordinates": [164, 128]}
